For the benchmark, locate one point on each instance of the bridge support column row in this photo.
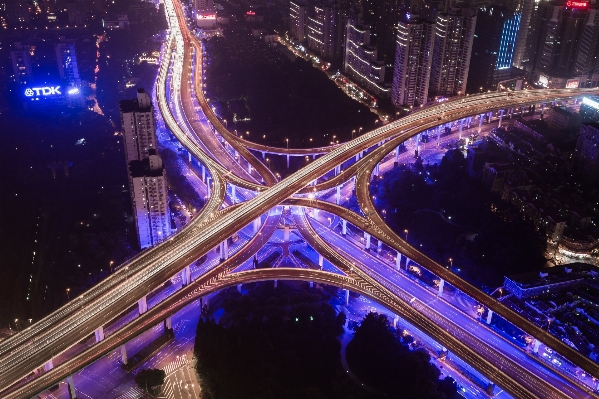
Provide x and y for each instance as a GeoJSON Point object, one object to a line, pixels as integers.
{"type": "Point", "coordinates": [142, 305]}
{"type": "Point", "coordinates": [366, 241]}
{"type": "Point", "coordinates": [500, 118]}
{"type": "Point", "coordinates": [186, 276]}
{"type": "Point", "coordinates": [398, 261]}
{"type": "Point", "coordinates": [441, 284]}
{"type": "Point", "coordinates": [99, 333]}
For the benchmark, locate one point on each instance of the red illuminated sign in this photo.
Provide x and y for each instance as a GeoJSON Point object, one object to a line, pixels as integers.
{"type": "Point", "coordinates": [251, 13]}
{"type": "Point", "coordinates": [577, 4]}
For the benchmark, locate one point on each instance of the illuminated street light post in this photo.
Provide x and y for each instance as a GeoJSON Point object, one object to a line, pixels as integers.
{"type": "Point", "coordinates": [68, 290]}
{"type": "Point", "coordinates": [406, 231]}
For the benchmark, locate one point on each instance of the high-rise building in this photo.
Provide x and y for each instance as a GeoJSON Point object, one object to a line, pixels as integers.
{"type": "Point", "coordinates": [205, 13]}
{"type": "Point", "coordinates": [587, 152]}
{"type": "Point", "coordinates": [586, 59]}
{"type": "Point", "coordinates": [382, 17]}
{"type": "Point", "coordinates": [66, 59]}
{"type": "Point", "coordinates": [555, 41]}
{"type": "Point", "coordinates": [139, 128]}
{"type": "Point", "coordinates": [360, 60]}
{"type": "Point", "coordinates": [21, 63]}
{"type": "Point", "coordinates": [454, 33]}
{"type": "Point", "coordinates": [149, 196]}
{"type": "Point", "coordinates": [325, 29]}
{"type": "Point", "coordinates": [589, 110]}
{"type": "Point", "coordinates": [492, 48]}
{"type": "Point", "coordinates": [298, 17]}
{"type": "Point", "coordinates": [147, 181]}
{"type": "Point", "coordinates": [526, 10]}
{"type": "Point", "coordinates": [413, 55]}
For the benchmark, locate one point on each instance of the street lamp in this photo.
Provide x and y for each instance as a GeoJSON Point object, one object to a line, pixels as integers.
{"type": "Point", "coordinates": [406, 231]}
{"type": "Point", "coordinates": [451, 262]}
{"type": "Point", "coordinates": [360, 130]}
{"type": "Point", "coordinates": [111, 263]}
{"type": "Point", "coordinates": [352, 133]}
{"type": "Point", "coordinates": [68, 290]}
{"type": "Point", "coordinates": [287, 140]}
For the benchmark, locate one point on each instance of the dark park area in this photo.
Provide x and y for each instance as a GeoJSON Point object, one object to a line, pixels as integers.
{"type": "Point", "coordinates": [259, 90]}
{"type": "Point", "coordinates": [449, 215]}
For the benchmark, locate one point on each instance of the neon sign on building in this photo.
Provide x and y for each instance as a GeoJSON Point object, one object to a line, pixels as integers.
{"type": "Point", "coordinates": [43, 91]}
{"type": "Point", "coordinates": [577, 4]}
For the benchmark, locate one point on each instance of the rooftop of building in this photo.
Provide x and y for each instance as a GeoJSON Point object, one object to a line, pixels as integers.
{"type": "Point", "coordinates": [562, 111]}
{"type": "Point", "coordinates": [142, 169]}
{"type": "Point", "coordinates": [554, 275]}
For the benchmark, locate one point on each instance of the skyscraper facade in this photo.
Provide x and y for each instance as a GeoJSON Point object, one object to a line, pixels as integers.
{"type": "Point", "coordinates": [360, 60]}
{"type": "Point", "coordinates": [325, 29]}
{"type": "Point", "coordinates": [413, 55]}
{"type": "Point", "coordinates": [21, 63]}
{"type": "Point", "coordinates": [492, 48]}
{"type": "Point", "coordinates": [454, 33]}
{"type": "Point", "coordinates": [66, 59]}
{"type": "Point", "coordinates": [298, 17]}
{"type": "Point", "coordinates": [147, 179]}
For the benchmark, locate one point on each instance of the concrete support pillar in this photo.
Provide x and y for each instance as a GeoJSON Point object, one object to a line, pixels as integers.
{"type": "Point", "coordinates": [208, 186]}
{"type": "Point", "coordinates": [395, 320]}
{"type": "Point", "coordinates": [441, 284]}
{"type": "Point", "coordinates": [338, 195]}
{"type": "Point", "coordinates": [536, 345]}
{"type": "Point", "coordinates": [168, 323]}
{"type": "Point", "coordinates": [511, 112]}
{"type": "Point", "coordinates": [249, 168]}
{"type": "Point", "coordinates": [316, 212]}
{"type": "Point", "coordinates": [376, 170]}
{"type": "Point", "coordinates": [542, 110]}
{"type": "Point", "coordinates": [226, 249]}
{"type": "Point", "coordinates": [408, 260]}
{"type": "Point", "coordinates": [142, 305]}
{"type": "Point", "coordinates": [287, 161]}
{"type": "Point", "coordinates": [204, 302]}
{"type": "Point", "coordinates": [397, 261]}
{"type": "Point", "coordinates": [186, 276]}
{"type": "Point", "coordinates": [263, 154]}
{"type": "Point", "coordinates": [286, 234]}
{"type": "Point", "coordinates": [203, 173]}
{"type": "Point", "coordinates": [239, 288]}
{"type": "Point", "coordinates": [357, 157]}
{"type": "Point", "coordinates": [379, 246]}
{"type": "Point", "coordinates": [320, 261]}
{"type": "Point", "coordinates": [276, 282]}
{"type": "Point", "coordinates": [221, 250]}
{"type": "Point", "coordinates": [99, 333]}
{"type": "Point", "coordinates": [438, 133]}
{"type": "Point", "coordinates": [500, 118]}
{"type": "Point", "coordinates": [311, 284]}
{"type": "Point", "coordinates": [489, 316]}
{"type": "Point", "coordinates": [233, 196]}
{"type": "Point", "coordinates": [396, 162]}
{"type": "Point", "coordinates": [346, 297]}
{"type": "Point", "coordinates": [124, 358]}
{"type": "Point", "coordinates": [49, 365]}
{"type": "Point", "coordinates": [71, 384]}
{"type": "Point", "coordinates": [366, 241]}
{"type": "Point", "coordinates": [490, 116]}
{"type": "Point", "coordinates": [343, 226]}
{"type": "Point", "coordinates": [461, 127]}
{"type": "Point", "coordinates": [337, 169]}
{"type": "Point", "coordinates": [257, 223]}
{"type": "Point", "coordinates": [480, 122]}
{"type": "Point", "coordinates": [189, 157]}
